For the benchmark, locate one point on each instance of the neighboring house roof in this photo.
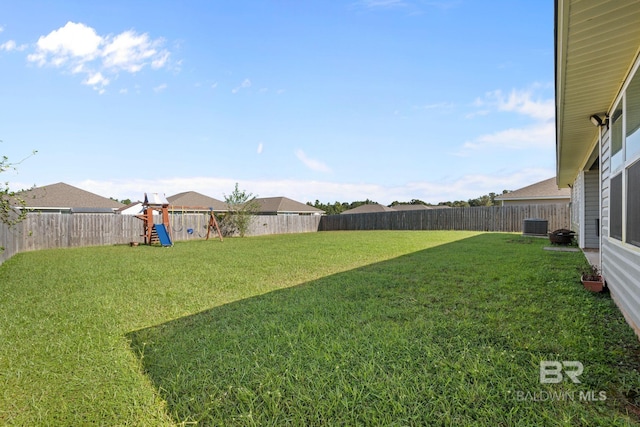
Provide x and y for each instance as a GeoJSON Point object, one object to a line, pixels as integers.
{"type": "Point", "coordinates": [596, 43]}
{"type": "Point", "coordinates": [63, 196]}
{"type": "Point", "coordinates": [134, 208]}
{"type": "Point", "coordinates": [284, 205]}
{"type": "Point", "coordinates": [368, 208]}
{"type": "Point", "coordinates": [191, 200]}
{"type": "Point", "coordinates": [418, 207]}
{"type": "Point", "coordinates": [543, 190]}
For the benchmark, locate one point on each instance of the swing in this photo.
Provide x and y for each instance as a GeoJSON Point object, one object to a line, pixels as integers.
{"type": "Point", "coordinates": [198, 228]}
{"type": "Point", "coordinates": [181, 220]}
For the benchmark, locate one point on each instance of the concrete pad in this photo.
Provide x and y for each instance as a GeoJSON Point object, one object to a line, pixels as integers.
{"type": "Point", "coordinates": [561, 248]}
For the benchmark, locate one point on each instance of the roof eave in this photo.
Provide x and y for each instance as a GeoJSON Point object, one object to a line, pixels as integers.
{"type": "Point", "coordinates": [596, 43]}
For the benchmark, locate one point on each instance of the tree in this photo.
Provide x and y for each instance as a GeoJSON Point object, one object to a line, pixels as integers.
{"type": "Point", "coordinates": [412, 202]}
{"type": "Point", "coordinates": [123, 201]}
{"type": "Point", "coordinates": [329, 208]}
{"type": "Point", "coordinates": [242, 209]}
{"type": "Point", "coordinates": [455, 204]}
{"type": "Point", "coordinates": [9, 200]}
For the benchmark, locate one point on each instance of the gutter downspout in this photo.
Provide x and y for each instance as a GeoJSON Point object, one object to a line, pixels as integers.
{"type": "Point", "coordinates": [600, 196]}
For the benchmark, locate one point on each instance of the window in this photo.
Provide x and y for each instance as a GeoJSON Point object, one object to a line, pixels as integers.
{"type": "Point", "coordinates": [624, 188]}
{"type": "Point", "coordinates": [633, 204]}
{"type": "Point", "coordinates": [616, 138]}
{"type": "Point", "coordinates": [632, 114]}
{"type": "Point", "coordinates": [615, 211]}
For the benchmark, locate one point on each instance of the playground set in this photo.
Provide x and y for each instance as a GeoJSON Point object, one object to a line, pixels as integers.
{"type": "Point", "coordinates": [160, 232]}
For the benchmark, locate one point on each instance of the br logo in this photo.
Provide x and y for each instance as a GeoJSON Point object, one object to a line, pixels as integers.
{"type": "Point", "coordinates": [551, 371]}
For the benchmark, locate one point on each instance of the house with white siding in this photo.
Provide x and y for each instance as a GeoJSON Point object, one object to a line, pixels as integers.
{"type": "Point", "coordinates": [597, 46]}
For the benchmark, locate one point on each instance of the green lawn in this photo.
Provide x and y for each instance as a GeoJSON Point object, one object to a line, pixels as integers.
{"type": "Point", "coordinates": [340, 328]}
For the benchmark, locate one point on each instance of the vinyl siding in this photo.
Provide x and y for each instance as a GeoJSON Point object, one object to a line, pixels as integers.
{"type": "Point", "coordinates": [591, 215]}
{"type": "Point", "coordinates": [576, 206]}
{"type": "Point", "coordinates": [620, 261]}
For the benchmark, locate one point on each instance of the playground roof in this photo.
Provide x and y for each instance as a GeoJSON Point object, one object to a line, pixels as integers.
{"type": "Point", "coordinates": [155, 199]}
{"type": "Point", "coordinates": [191, 200]}
{"type": "Point", "coordinates": [64, 197]}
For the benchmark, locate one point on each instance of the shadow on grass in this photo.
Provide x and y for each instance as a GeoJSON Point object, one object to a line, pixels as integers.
{"type": "Point", "coordinates": [451, 335]}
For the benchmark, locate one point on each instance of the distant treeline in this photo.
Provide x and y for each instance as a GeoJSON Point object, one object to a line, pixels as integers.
{"type": "Point", "coordinates": [339, 207]}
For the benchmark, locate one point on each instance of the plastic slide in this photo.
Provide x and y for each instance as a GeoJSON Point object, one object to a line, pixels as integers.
{"type": "Point", "coordinates": [163, 235]}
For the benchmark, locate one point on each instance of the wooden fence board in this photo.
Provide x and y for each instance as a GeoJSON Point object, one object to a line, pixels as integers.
{"type": "Point", "coordinates": [44, 231]}
{"type": "Point", "coordinates": [483, 218]}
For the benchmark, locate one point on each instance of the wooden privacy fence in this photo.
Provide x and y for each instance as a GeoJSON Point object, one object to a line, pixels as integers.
{"type": "Point", "coordinates": [481, 218]}
{"type": "Point", "coordinates": [194, 226]}
{"type": "Point", "coordinates": [54, 230]}
{"type": "Point", "coordinates": [49, 230]}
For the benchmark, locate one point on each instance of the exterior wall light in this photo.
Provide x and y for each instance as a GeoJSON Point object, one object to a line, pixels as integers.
{"type": "Point", "coordinates": [598, 121]}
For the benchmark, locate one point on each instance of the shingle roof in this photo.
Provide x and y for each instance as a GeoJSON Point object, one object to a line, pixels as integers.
{"type": "Point", "coordinates": [195, 200]}
{"type": "Point", "coordinates": [547, 189]}
{"type": "Point", "coordinates": [419, 207]}
{"type": "Point", "coordinates": [65, 196]}
{"type": "Point", "coordinates": [368, 208]}
{"type": "Point", "coordinates": [285, 205]}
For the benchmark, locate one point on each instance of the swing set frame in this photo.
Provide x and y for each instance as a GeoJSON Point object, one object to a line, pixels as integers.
{"type": "Point", "coordinates": [211, 225]}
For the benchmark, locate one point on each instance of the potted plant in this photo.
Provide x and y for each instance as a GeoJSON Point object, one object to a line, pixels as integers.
{"type": "Point", "coordinates": [591, 279]}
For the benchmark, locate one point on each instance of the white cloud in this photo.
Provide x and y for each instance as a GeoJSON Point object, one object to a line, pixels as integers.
{"type": "Point", "coordinates": [74, 41]}
{"type": "Point", "coordinates": [455, 188]}
{"type": "Point", "coordinates": [246, 83]}
{"type": "Point", "coordinates": [444, 5]}
{"type": "Point", "coordinates": [11, 45]}
{"type": "Point", "coordinates": [522, 102]}
{"type": "Point", "coordinates": [477, 113]}
{"type": "Point", "coordinates": [8, 45]}
{"type": "Point", "coordinates": [384, 4]}
{"type": "Point", "coordinates": [475, 185]}
{"type": "Point", "coordinates": [160, 60]}
{"type": "Point", "coordinates": [81, 50]}
{"type": "Point", "coordinates": [160, 88]}
{"type": "Point", "coordinates": [130, 52]}
{"type": "Point", "coordinates": [312, 164]}
{"type": "Point", "coordinates": [540, 133]}
{"type": "Point", "coordinates": [413, 7]}
{"type": "Point", "coordinates": [97, 81]}
{"type": "Point", "coordinates": [260, 147]}
{"type": "Point", "coordinates": [436, 106]}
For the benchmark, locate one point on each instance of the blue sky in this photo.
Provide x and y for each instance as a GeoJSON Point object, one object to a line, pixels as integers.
{"type": "Point", "coordinates": [341, 100]}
